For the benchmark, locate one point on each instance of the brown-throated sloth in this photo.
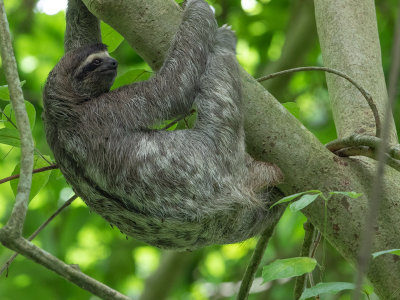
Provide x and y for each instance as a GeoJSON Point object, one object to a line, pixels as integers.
{"type": "Point", "coordinates": [180, 189]}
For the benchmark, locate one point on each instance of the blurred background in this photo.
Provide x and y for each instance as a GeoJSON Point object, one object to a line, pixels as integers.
{"type": "Point", "coordinates": [272, 35]}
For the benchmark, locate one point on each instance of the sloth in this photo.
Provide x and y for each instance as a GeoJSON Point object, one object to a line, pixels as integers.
{"type": "Point", "coordinates": [182, 189]}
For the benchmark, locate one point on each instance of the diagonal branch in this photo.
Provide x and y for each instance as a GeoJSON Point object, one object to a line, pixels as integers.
{"type": "Point", "coordinates": [70, 273]}
{"type": "Point", "coordinates": [37, 231]}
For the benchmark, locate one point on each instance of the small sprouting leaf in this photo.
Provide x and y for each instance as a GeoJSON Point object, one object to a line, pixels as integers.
{"type": "Point", "coordinates": [353, 195]}
{"type": "Point", "coordinates": [131, 76]}
{"type": "Point", "coordinates": [39, 180]}
{"type": "Point", "coordinates": [9, 112]}
{"type": "Point", "coordinates": [290, 267]}
{"type": "Point", "coordinates": [326, 288]}
{"type": "Point", "coordinates": [9, 136]}
{"type": "Point", "coordinates": [304, 201]}
{"type": "Point", "coordinates": [392, 251]}
{"type": "Point", "coordinates": [293, 108]}
{"type": "Point", "coordinates": [110, 37]}
{"type": "Point", "coordinates": [294, 196]}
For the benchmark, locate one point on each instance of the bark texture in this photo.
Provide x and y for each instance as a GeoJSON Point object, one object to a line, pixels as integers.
{"type": "Point", "coordinates": [348, 35]}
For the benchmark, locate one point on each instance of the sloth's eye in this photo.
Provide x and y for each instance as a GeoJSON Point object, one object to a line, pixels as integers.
{"type": "Point", "coordinates": [96, 61]}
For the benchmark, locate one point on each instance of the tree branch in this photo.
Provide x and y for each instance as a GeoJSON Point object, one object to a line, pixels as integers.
{"type": "Point", "coordinates": [262, 244]}
{"type": "Point", "coordinates": [366, 95]}
{"type": "Point", "coordinates": [47, 260]}
{"type": "Point", "coordinates": [300, 283]}
{"type": "Point", "coordinates": [37, 231]}
{"type": "Point", "coordinates": [51, 167]}
{"type": "Point", "coordinates": [375, 199]}
{"type": "Point", "coordinates": [16, 221]}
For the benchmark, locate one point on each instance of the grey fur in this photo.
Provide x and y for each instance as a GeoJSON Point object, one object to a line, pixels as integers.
{"type": "Point", "coordinates": [172, 189]}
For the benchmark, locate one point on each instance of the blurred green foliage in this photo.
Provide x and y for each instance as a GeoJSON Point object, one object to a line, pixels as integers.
{"type": "Point", "coordinates": [79, 237]}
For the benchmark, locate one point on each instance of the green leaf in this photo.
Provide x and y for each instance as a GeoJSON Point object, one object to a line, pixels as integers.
{"type": "Point", "coordinates": [304, 201]}
{"type": "Point", "coordinates": [163, 124]}
{"type": "Point", "coordinates": [326, 288]}
{"type": "Point", "coordinates": [9, 112]}
{"type": "Point", "coordinates": [5, 93]}
{"type": "Point", "coordinates": [188, 122]}
{"type": "Point", "coordinates": [294, 196]}
{"type": "Point", "coordinates": [39, 180]}
{"type": "Point", "coordinates": [285, 268]}
{"type": "Point", "coordinates": [9, 136]}
{"type": "Point", "coordinates": [293, 108]}
{"type": "Point", "coordinates": [131, 76]}
{"type": "Point", "coordinates": [353, 195]}
{"type": "Point", "coordinates": [110, 37]}
{"type": "Point", "coordinates": [392, 251]}
{"type": "Point", "coordinates": [367, 289]}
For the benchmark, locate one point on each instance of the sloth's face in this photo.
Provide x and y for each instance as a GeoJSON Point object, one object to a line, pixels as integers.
{"type": "Point", "coordinates": [95, 75]}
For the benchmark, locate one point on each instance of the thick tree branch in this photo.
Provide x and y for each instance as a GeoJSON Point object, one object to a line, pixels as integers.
{"type": "Point", "coordinates": [350, 43]}
{"type": "Point", "coordinates": [16, 222]}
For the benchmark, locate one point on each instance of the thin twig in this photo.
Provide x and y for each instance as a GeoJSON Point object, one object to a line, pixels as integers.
{"type": "Point", "coordinates": [37, 231]}
{"type": "Point", "coordinates": [374, 203]}
{"type": "Point", "coordinates": [305, 252]}
{"type": "Point", "coordinates": [364, 145]}
{"type": "Point", "coordinates": [51, 167]}
{"type": "Point", "coordinates": [368, 152]}
{"type": "Point", "coordinates": [366, 95]}
{"type": "Point", "coordinates": [16, 221]}
{"type": "Point", "coordinates": [258, 253]}
{"type": "Point", "coordinates": [262, 243]}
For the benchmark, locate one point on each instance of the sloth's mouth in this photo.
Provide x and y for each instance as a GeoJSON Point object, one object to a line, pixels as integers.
{"type": "Point", "coordinates": [109, 71]}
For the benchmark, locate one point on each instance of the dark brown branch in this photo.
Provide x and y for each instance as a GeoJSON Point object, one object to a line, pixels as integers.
{"type": "Point", "coordinates": [37, 231]}
{"type": "Point", "coordinates": [51, 167]}
{"type": "Point", "coordinates": [366, 95]}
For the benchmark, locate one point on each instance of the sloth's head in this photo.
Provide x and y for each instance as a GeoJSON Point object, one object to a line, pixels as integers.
{"type": "Point", "coordinates": [85, 73]}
